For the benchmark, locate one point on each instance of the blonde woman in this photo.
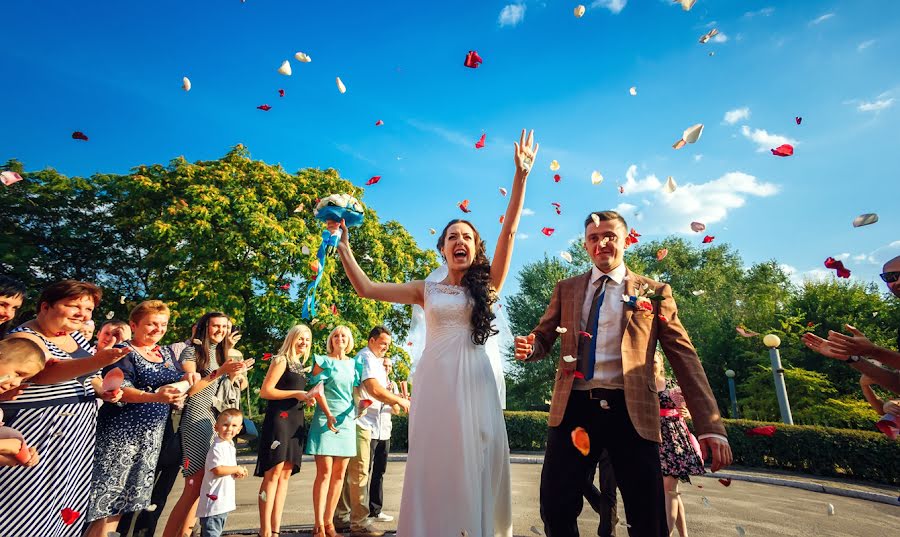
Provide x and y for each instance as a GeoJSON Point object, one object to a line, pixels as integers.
{"type": "Point", "coordinates": [332, 432]}
{"type": "Point", "coordinates": [283, 433]}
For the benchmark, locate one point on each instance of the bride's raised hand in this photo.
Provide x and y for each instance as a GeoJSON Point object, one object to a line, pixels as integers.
{"type": "Point", "coordinates": [526, 152]}
{"type": "Point", "coordinates": [345, 234]}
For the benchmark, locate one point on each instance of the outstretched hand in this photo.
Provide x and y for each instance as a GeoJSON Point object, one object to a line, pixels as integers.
{"type": "Point", "coordinates": [525, 153]}
{"type": "Point", "coordinates": [822, 346]}
{"type": "Point", "coordinates": [856, 344]}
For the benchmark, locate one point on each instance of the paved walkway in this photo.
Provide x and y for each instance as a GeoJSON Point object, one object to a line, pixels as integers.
{"type": "Point", "coordinates": [760, 509]}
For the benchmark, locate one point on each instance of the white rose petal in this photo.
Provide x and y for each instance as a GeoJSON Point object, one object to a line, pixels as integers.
{"type": "Point", "coordinates": [186, 84]}
{"type": "Point", "coordinates": [302, 57]}
{"type": "Point", "coordinates": [285, 68]}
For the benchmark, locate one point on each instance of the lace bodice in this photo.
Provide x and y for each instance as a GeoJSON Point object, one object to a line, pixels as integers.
{"type": "Point", "coordinates": [448, 311]}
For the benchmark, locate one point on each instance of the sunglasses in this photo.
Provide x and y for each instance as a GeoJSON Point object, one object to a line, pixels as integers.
{"type": "Point", "coordinates": [890, 277]}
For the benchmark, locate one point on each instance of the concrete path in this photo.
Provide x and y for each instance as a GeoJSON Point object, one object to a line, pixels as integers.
{"type": "Point", "coordinates": [760, 509]}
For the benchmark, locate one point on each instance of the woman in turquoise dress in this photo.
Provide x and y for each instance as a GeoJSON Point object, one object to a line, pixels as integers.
{"type": "Point", "coordinates": [332, 430]}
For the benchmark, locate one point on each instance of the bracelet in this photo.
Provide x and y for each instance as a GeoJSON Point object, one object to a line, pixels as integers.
{"type": "Point", "coordinates": [852, 359]}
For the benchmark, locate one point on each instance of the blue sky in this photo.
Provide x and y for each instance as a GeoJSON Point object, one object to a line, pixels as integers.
{"type": "Point", "coordinates": [113, 70]}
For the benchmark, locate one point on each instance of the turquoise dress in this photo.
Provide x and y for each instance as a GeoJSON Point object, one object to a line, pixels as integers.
{"type": "Point", "coordinates": [339, 378]}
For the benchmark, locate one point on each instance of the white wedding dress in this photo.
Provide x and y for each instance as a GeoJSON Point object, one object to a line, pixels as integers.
{"type": "Point", "coordinates": [457, 472]}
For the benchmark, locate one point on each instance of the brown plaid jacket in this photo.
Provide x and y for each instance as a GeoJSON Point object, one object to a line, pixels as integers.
{"type": "Point", "coordinates": [642, 332]}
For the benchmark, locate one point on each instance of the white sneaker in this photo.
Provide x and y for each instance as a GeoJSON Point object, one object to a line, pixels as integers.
{"type": "Point", "coordinates": [382, 517]}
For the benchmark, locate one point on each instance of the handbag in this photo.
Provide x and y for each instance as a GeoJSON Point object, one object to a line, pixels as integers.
{"type": "Point", "coordinates": [170, 452]}
{"type": "Point", "coordinates": [248, 432]}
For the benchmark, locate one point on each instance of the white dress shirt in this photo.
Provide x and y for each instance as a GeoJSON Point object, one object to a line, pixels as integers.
{"type": "Point", "coordinates": [372, 368]}
{"type": "Point", "coordinates": [610, 327]}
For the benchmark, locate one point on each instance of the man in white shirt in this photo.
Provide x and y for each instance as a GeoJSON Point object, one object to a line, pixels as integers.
{"type": "Point", "coordinates": [605, 383]}
{"type": "Point", "coordinates": [379, 415]}
{"type": "Point", "coordinates": [353, 510]}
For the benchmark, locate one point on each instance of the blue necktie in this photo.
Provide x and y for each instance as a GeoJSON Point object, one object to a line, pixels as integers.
{"type": "Point", "coordinates": [589, 352]}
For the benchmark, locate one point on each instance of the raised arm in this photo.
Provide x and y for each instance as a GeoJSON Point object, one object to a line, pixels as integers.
{"type": "Point", "coordinates": [526, 151]}
{"type": "Point", "coordinates": [399, 293]}
{"type": "Point", "coordinates": [871, 397]}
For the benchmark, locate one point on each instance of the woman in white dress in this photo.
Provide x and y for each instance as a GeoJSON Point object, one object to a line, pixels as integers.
{"type": "Point", "coordinates": [457, 473]}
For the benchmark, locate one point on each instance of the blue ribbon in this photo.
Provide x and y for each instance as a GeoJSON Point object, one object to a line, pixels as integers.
{"type": "Point", "coordinates": [329, 243]}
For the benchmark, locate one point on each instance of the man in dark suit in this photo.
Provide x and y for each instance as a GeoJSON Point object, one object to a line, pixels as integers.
{"type": "Point", "coordinates": [611, 321]}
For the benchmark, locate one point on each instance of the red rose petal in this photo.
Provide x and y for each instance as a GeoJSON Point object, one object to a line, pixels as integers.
{"type": "Point", "coordinates": [69, 516]}
{"type": "Point", "coordinates": [708, 239]}
{"type": "Point", "coordinates": [264, 107]}
{"type": "Point", "coordinates": [281, 93]}
{"type": "Point", "coordinates": [464, 206]}
{"type": "Point", "coordinates": [78, 135]}
{"type": "Point", "coordinates": [581, 440]}
{"type": "Point", "coordinates": [373, 180]}
{"type": "Point", "coordinates": [187, 462]}
{"type": "Point", "coordinates": [557, 178]}
{"type": "Point", "coordinates": [725, 481]}
{"type": "Point", "coordinates": [285, 287]}
{"type": "Point", "coordinates": [212, 497]}
{"type": "Point", "coordinates": [473, 60]}
{"type": "Point", "coordinates": [783, 150]}
{"type": "Point", "coordinates": [267, 356]}
{"type": "Point", "coordinates": [798, 119]}
{"type": "Point", "coordinates": [379, 123]}
{"type": "Point", "coordinates": [283, 414]}
{"type": "Point", "coordinates": [661, 254]}
{"type": "Point", "coordinates": [767, 430]}
{"type": "Point", "coordinates": [480, 143]}
{"type": "Point", "coordinates": [547, 231]}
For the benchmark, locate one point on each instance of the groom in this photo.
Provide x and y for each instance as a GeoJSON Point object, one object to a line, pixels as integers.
{"type": "Point", "coordinates": [605, 384]}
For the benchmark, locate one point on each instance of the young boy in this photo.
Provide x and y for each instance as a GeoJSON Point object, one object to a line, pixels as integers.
{"type": "Point", "coordinates": [220, 470]}
{"type": "Point", "coordinates": [20, 359]}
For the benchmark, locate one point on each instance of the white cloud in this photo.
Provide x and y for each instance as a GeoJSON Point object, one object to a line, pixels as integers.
{"type": "Point", "coordinates": [633, 186]}
{"type": "Point", "coordinates": [511, 14]}
{"type": "Point", "coordinates": [875, 106]}
{"type": "Point", "coordinates": [447, 134]}
{"type": "Point", "coordinates": [527, 212]}
{"type": "Point", "coordinates": [521, 236]}
{"type": "Point", "coordinates": [698, 157]}
{"type": "Point", "coordinates": [764, 140]}
{"type": "Point", "coordinates": [764, 12]}
{"type": "Point", "coordinates": [615, 6]}
{"type": "Point", "coordinates": [708, 202]}
{"type": "Point", "coordinates": [733, 116]}
{"type": "Point", "coordinates": [843, 257]}
{"type": "Point", "coordinates": [820, 19]}
{"type": "Point", "coordinates": [719, 38]}
{"type": "Point", "coordinates": [864, 45]}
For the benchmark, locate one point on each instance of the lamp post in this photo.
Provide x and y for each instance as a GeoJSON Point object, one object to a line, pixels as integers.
{"type": "Point", "coordinates": [731, 393]}
{"type": "Point", "coordinates": [772, 341]}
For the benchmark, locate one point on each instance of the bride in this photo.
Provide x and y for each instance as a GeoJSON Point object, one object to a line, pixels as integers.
{"type": "Point", "coordinates": [457, 473]}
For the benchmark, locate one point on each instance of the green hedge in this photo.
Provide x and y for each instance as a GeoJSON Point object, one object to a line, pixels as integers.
{"type": "Point", "coordinates": [823, 451]}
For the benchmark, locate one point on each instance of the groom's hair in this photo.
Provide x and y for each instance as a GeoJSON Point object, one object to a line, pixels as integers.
{"type": "Point", "coordinates": [378, 330]}
{"type": "Point", "coordinates": [605, 216]}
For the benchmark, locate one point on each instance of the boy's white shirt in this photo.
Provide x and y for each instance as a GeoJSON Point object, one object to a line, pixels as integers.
{"type": "Point", "coordinates": [222, 453]}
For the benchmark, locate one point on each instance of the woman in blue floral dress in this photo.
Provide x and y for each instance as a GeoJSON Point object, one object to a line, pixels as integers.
{"type": "Point", "coordinates": [129, 435]}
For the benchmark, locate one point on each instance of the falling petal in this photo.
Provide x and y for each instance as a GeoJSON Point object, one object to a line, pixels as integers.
{"type": "Point", "coordinates": [705, 501]}
{"type": "Point", "coordinates": [212, 497]}
{"type": "Point", "coordinates": [561, 330]}
{"type": "Point", "coordinates": [725, 481]}
{"type": "Point", "coordinates": [766, 430]}
{"type": "Point", "coordinates": [746, 333]}
{"type": "Point", "coordinates": [547, 231]}
{"type": "Point", "coordinates": [596, 178]}
{"type": "Point", "coordinates": [661, 254]}
{"type": "Point", "coordinates": [502, 191]}
{"type": "Point", "coordinates": [567, 256]}
{"type": "Point", "coordinates": [554, 165]}
{"type": "Point", "coordinates": [340, 85]}
{"type": "Point", "coordinates": [263, 496]}
{"type": "Point", "coordinates": [379, 123]}
{"type": "Point", "coordinates": [671, 185]}
{"type": "Point", "coordinates": [302, 57]}
{"type": "Point", "coordinates": [679, 144]}
{"type": "Point", "coordinates": [708, 35]}
{"type": "Point", "coordinates": [621, 189]}
{"type": "Point", "coordinates": [304, 249]}
{"type": "Point", "coordinates": [692, 133]}
{"type": "Point", "coordinates": [373, 180]}
{"type": "Point", "coordinates": [557, 207]}
{"type": "Point", "coordinates": [830, 510]}
{"type": "Point", "coordinates": [865, 219]}
{"type": "Point", "coordinates": [596, 219]}
{"type": "Point", "coordinates": [783, 150]}
{"type": "Point", "coordinates": [78, 135]}
{"type": "Point", "coordinates": [281, 93]}
{"type": "Point", "coordinates": [579, 11]}
{"type": "Point", "coordinates": [69, 516]}
{"type": "Point", "coordinates": [708, 239]}
{"type": "Point", "coordinates": [264, 107]}
{"type": "Point", "coordinates": [432, 231]}
{"type": "Point", "coordinates": [186, 84]}
{"type": "Point", "coordinates": [838, 266]}
{"type": "Point", "coordinates": [632, 90]}
{"type": "Point", "coordinates": [464, 206]}
{"type": "Point", "coordinates": [698, 292]}
{"type": "Point", "coordinates": [537, 531]}
{"type": "Point", "coordinates": [285, 68]}
{"type": "Point", "coordinates": [502, 218]}
{"type": "Point", "coordinates": [473, 60]}
{"type": "Point", "coordinates": [686, 5]}
{"type": "Point", "coordinates": [798, 119]}
{"type": "Point", "coordinates": [480, 143]}
{"type": "Point", "coordinates": [581, 440]}
{"type": "Point", "coordinates": [275, 444]}
{"type": "Point", "coordinates": [110, 314]}
{"type": "Point", "coordinates": [569, 358]}
{"type": "Point", "coordinates": [283, 414]}
{"type": "Point", "coordinates": [151, 507]}
{"type": "Point", "coordinates": [740, 531]}
{"type": "Point", "coordinates": [8, 178]}
{"type": "Point", "coordinates": [698, 227]}
{"type": "Point", "coordinates": [557, 178]}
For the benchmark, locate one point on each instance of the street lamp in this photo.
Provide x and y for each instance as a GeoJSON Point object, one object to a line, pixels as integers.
{"type": "Point", "coordinates": [772, 341]}
{"type": "Point", "coordinates": [731, 393]}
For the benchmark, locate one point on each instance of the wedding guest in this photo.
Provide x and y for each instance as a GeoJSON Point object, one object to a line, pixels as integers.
{"type": "Point", "coordinates": [215, 388]}
{"type": "Point", "coordinates": [877, 403]}
{"type": "Point", "coordinates": [20, 359]}
{"type": "Point", "coordinates": [858, 351]}
{"type": "Point", "coordinates": [381, 445]}
{"type": "Point", "coordinates": [87, 330]}
{"type": "Point", "coordinates": [57, 413]}
{"type": "Point", "coordinates": [353, 508]}
{"type": "Point", "coordinates": [614, 327]}
{"type": "Point", "coordinates": [283, 435]}
{"type": "Point", "coordinates": [111, 332]}
{"type": "Point", "coordinates": [603, 500]}
{"type": "Point", "coordinates": [332, 431]}
{"type": "Point", "coordinates": [12, 294]}
{"type": "Point", "coordinates": [217, 495]}
{"type": "Point", "coordinates": [129, 436]}
{"type": "Point", "coordinates": [679, 455]}
{"type": "Point", "coordinates": [178, 347]}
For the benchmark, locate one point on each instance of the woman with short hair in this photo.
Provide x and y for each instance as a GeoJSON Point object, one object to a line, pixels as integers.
{"type": "Point", "coordinates": [129, 436]}
{"type": "Point", "coordinates": [58, 416]}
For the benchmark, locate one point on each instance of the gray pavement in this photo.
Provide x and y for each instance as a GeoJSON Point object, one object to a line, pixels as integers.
{"type": "Point", "coordinates": [761, 509]}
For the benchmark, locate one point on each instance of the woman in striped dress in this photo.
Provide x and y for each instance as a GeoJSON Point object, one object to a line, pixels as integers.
{"type": "Point", "coordinates": [208, 357]}
{"type": "Point", "coordinates": [57, 414]}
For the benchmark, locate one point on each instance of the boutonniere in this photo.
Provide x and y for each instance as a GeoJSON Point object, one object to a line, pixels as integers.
{"type": "Point", "coordinates": [643, 299]}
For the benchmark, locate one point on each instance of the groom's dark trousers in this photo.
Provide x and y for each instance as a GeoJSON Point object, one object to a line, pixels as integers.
{"type": "Point", "coordinates": [635, 461]}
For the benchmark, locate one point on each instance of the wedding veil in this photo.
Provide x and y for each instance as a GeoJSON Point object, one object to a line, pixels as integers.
{"type": "Point", "coordinates": [496, 346]}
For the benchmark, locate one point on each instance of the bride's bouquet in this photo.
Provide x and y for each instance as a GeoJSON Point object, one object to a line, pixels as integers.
{"type": "Point", "coordinates": [333, 208]}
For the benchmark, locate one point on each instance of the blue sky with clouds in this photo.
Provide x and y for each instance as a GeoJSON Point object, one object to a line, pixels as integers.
{"type": "Point", "coordinates": [113, 70]}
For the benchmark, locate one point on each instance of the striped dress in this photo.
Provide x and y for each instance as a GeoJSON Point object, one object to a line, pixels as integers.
{"type": "Point", "coordinates": [59, 420]}
{"type": "Point", "coordinates": [198, 420]}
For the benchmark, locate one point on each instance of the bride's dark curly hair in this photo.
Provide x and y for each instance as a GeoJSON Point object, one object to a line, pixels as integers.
{"type": "Point", "coordinates": [478, 281]}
